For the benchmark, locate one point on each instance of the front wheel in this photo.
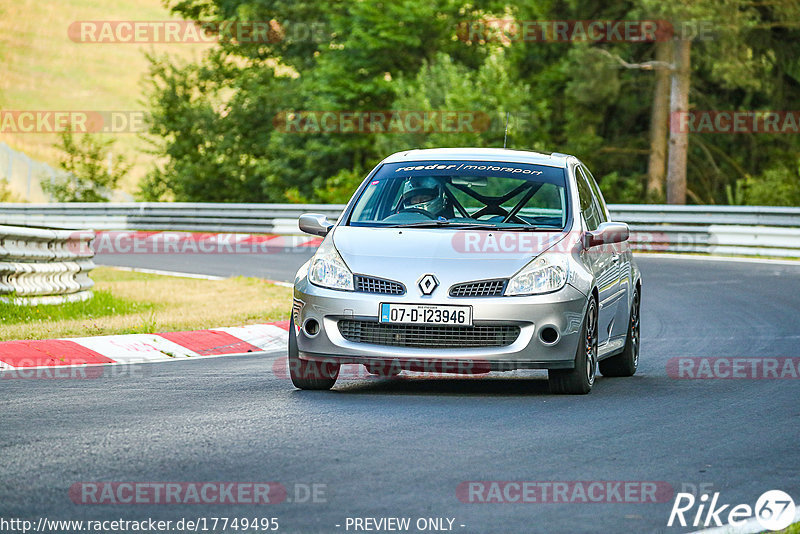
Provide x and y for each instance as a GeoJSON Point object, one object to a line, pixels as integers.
{"type": "Point", "coordinates": [309, 374]}
{"type": "Point", "coordinates": [626, 362]}
{"type": "Point", "coordinates": [580, 379]}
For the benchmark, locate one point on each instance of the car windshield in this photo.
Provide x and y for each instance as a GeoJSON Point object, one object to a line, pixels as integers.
{"type": "Point", "coordinates": [509, 196]}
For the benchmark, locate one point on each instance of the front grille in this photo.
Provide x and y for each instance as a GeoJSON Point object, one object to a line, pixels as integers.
{"type": "Point", "coordinates": [427, 336]}
{"type": "Point", "coordinates": [371, 284]}
{"type": "Point", "coordinates": [482, 288]}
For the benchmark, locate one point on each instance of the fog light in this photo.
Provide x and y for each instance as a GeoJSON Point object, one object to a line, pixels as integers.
{"type": "Point", "coordinates": [548, 335]}
{"type": "Point", "coordinates": [311, 327]}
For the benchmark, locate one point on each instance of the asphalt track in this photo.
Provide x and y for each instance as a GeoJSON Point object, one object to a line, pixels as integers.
{"type": "Point", "coordinates": [400, 448]}
{"type": "Point", "coordinates": [278, 263]}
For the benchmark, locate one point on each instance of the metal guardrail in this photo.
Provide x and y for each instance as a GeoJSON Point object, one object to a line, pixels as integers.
{"type": "Point", "coordinates": [735, 230]}
{"type": "Point", "coordinates": [39, 266]}
{"type": "Point", "coordinates": [180, 216]}
{"type": "Point", "coordinates": [750, 230]}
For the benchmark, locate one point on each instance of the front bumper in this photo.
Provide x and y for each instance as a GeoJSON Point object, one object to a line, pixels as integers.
{"type": "Point", "coordinates": [562, 310]}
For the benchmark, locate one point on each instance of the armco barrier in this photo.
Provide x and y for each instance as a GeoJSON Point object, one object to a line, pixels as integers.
{"type": "Point", "coordinates": [750, 230]}
{"type": "Point", "coordinates": [42, 266]}
{"type": "Point", "coordinates": [180, 216]}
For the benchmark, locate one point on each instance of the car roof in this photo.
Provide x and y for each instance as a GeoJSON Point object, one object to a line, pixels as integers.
{"type": "Point", "coordinates": [481, 154]}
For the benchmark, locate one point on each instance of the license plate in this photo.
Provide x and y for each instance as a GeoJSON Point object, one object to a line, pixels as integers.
{"type": "Point", "coordinates": [426, 314]}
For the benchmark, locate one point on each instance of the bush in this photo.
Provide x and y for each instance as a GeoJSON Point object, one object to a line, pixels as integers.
{"type": "Point", "coordinates": [89, 176]}
{"type": "Point", "coordinates": [778, 186]}
{"type": "Point", "coordinates": [618, 189]}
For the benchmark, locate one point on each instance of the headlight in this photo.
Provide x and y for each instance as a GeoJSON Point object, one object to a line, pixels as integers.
{"type": "Point", "coordinates": [548, 272]}
{"type": "Point", "coordinates": [327, 268]}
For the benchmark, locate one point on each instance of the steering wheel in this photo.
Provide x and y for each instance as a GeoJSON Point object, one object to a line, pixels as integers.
{"type": "Point", "coordinates": [417, 210]}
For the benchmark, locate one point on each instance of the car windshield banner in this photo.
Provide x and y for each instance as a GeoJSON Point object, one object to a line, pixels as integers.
{"type": "Point", "coordinates": [538, 173]}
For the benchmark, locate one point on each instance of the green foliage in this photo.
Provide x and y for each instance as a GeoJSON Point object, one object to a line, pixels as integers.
{"type": "Point", "coordinates": [777, 186]}
{"type": "Point", "coordinates": [215, 129]}
{"type": "Point", "coordinates": [485, 95]}
{"type": "Point", "coordinates": [212, 122]}
{"type": "Point", "coordinates": [339, 188]}
{"type": "Point", "coordinates": [90, 175]}
{"type": "Point", "coordinates": [623, 190]}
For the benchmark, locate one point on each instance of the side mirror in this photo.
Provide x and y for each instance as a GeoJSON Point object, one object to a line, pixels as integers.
{"type": "Point", "coordinates": [315, 224]}
{"type": "Point", "coordinates": [606, 234]}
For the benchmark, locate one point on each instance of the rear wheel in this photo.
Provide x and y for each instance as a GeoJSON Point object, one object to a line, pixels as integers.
{"type": "Point", "coordinates": [309, 374]}
{"type": "Point", "coordinates": [626, 362]}
{"type": "Point", "coordinates": [580, 379]}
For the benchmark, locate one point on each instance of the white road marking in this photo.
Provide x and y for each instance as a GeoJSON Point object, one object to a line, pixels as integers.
{"type": "Point", "coordinates": [264, 336]}
{"type": "Point", "coordinates": [166, 273]}
{"type": "Point", "coordinates": [134, 348]}
{"type": "Point", "coordinates": [701, 257]}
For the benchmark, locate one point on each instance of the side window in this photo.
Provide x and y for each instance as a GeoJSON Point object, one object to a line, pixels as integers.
{"type": "Point", "coordinates": [589, 208]}
{"type": "Point", "coordinates": [601, 202]}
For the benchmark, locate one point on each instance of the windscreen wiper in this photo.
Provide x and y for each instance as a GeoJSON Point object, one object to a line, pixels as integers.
{"type": "Point", "coordinates": [469, 225]}
{"type": "Point", "coordinates": [528, 228]}
{"type": "Point", "coordinates": [440, 224]}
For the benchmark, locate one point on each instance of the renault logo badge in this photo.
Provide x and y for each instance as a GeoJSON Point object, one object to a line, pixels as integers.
{"type": "Point", "coordinates": [427, 284]}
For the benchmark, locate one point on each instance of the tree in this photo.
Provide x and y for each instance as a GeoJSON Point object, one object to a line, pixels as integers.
{"type": "Point", "coordinates": [216, 122]}
{"type": "Point", "coordinates": [678, 106]}
{"type": "Point", "coordinates": [92, 173]}
{"type": "Point", "coordinates": [659, 125]}
{"type": "Point", "coordinates": [213, 121]}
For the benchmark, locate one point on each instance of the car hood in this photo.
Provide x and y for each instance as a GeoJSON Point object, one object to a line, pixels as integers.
{"type": "Point", "coordinates": [406, 254]}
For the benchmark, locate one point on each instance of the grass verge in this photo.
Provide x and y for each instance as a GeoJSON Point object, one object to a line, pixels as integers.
{"type": "Point", "coordinates": [135, 303]}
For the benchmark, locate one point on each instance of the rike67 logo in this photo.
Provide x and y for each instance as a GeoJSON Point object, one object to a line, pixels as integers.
{"type": "Point", "coordinates": [774, 510]}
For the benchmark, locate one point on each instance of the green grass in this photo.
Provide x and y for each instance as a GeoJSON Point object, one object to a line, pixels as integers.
{"type": "Point", "coordinates": [135, 303]}
{"type": "Point", "coordinates": [102, 304]}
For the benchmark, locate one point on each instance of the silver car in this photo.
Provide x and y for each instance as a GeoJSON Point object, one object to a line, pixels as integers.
{"type": "Point", "coordinates": [469, 260]}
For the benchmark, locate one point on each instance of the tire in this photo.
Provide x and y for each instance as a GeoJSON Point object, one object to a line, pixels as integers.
{"type": "Point", "coordinates": [580, 379]}
{"type": "Point", "coordinates": [626, 362]}
{"type": "Point", "coordinates": [309, 374]}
